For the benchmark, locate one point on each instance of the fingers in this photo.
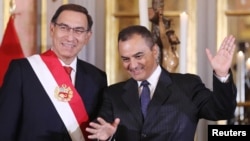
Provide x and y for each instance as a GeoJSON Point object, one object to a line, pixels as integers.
{"type": "Point", "coordinates": [209, 55]}
{"type": "Point", "coordinates": [116, 122]}
{"type": "Point", "coordinates": [91, 130]}
{"type": "Point", "coordinates": [233, 48]}
{"type": "Point", "coordinates": [101, 121]}
{"type": "Point", "coordinates": [102, 130]}
{"type": "Point", "coordinates": [95, 129]}
{"type": "Point", "coordinates": [94, 125]}
{"type": "Point", "coordinates": [228, 44]}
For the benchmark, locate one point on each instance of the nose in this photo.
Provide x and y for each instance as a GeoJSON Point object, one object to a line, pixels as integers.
{"type": "Point", "coordinates": [133, 64]}
{"type": "Point", "coordinates": [70, 34]}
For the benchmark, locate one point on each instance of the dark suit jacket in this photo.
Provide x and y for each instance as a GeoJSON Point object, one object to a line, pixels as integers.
{"type": "Point", "coordinates": [179, 101]}
{"type": "Point", "coordinates": [27, 113]}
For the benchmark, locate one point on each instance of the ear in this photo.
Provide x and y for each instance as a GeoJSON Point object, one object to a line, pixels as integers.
{"type": "Point", "coordinates": [156, 51]}
{"type": "Point", "coordinates": [88, 35]}
{"type": "Point", "coordinates": [52, 28]}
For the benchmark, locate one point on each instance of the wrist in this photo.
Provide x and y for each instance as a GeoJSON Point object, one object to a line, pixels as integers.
{"type": "Point", "coordinates": [221, 74]}
{"type": "Point", "coordinates": [223, 79]}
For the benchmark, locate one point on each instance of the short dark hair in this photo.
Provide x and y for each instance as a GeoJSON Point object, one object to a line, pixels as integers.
{"type": "Point", "coordinates": [127, 33]}
{"type": "Point", "coordinates": [73, 7]}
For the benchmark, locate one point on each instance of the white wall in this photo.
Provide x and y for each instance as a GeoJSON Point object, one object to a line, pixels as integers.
{"type": "Point", "coordinates": [94, 52]}
{"type": "Point", "coordinates": [206, 38]}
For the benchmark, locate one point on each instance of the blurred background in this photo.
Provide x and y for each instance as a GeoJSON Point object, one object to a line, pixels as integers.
{"type": "Point", "coordinates": [205, 26]}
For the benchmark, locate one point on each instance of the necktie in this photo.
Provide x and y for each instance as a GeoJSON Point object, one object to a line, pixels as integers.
{"type": "Point", "coordinates": [68, 71]}
{"type": "Point", "coordinates": [145, 97]}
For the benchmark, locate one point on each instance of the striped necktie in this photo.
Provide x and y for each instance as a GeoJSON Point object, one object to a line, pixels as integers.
{"type": "Point", "coordinates": [145, 97]}
{"type": "Point", "coordinates": [68, 71]}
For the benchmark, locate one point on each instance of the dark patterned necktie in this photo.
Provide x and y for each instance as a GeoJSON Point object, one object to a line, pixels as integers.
{"type": "Point", "coordinates": [68, 71]}
{"type": "Point", "coordinates": [145, 97]}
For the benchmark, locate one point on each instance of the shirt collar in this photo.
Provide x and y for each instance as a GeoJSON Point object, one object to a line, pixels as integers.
{"type": "Point", "coordinates": [72, 65]}
{"type": "Point", "coordinates": [154, 77]}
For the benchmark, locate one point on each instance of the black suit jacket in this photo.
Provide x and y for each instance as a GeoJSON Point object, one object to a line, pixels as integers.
{"type": "Point", "coordinates": [27, 113]}
{"type": "Point", "coordinates": [179, 101]}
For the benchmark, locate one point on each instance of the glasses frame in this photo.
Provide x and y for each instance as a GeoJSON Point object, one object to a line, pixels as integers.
{"type": "Point", "coordinates": [66, 28]}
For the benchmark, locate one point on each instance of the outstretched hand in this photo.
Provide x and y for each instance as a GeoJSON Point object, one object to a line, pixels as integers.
{"type": "Point", "coordinates": [222, 61]}
{"type": "Point", "coordinates": [102, 130]}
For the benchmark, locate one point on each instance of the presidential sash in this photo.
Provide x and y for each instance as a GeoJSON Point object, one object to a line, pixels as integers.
{"type": "Point", "coordinates": [62, 93]}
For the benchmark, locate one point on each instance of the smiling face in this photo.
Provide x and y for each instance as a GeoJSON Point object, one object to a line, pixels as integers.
{"type": "Point", "coordinates": [67, 42]}
{"type": "Point", "coordinates": [137, 58]}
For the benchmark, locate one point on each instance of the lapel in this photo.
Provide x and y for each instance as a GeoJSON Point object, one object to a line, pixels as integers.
{"type": "Point", "coordinates": [131, 99]}
{"type": "Point", "coordinates": [83, 81]}
{"type": "Point", "coordinates": [80, 78]}
{"type": "Point", "coordinates": [161, 94]}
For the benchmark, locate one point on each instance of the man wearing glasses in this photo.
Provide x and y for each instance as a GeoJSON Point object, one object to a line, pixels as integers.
{"type": "Point", "coordinates": [40, 100]}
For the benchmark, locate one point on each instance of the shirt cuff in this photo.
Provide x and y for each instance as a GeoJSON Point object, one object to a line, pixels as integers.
{"type": "Point", "coordinates": [223, 79]}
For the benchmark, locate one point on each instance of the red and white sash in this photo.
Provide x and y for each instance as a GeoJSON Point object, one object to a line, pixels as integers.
{"type": "Point", "coordinates": [51, 74]}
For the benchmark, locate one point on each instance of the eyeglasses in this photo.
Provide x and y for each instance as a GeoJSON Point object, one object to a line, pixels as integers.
{"type": "Point", "coordinates": [65, 28]}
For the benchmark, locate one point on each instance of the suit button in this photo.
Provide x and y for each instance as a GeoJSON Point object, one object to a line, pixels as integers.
{"type": "Point", "coordinates": [143, 135]}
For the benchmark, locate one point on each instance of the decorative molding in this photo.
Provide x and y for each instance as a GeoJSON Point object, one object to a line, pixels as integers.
{"type": "Point", "coordinates": [245, 104]}
{"type": "Point", "coordinates": [222, 24]}
{"type": "Point", "coordinates": [43, 26]}
{"type": "Point", "coordinates": [237, 12]}
{"type": "Point", "coordinates": [126, 14]}
{"type": "Point", "coordinates": [6, 12]}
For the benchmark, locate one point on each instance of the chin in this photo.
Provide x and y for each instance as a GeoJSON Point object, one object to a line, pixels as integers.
{"type": "Point", "coordinates": [137, 77]}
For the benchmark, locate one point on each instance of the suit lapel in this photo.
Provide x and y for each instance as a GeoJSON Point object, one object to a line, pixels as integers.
{"type": "Point", "coordinates": [83, 82]}
{"type": "Point", "coordinates": [131, 99]}
{"type": "Point", "coordinates": [161, 94]}
{"type": "Point", "coordinates": [81, 78]}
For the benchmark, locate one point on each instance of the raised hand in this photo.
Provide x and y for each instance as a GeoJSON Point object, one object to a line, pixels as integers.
{"type": "Point", "coordinates": [222, 61]}
{"type": "Point", "coordinates": [102, 130]}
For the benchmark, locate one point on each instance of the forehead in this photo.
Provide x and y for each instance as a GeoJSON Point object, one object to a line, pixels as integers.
{"type": "Point", "coordinates": [73, 18]}
{"type": "Point", "coordinates": [132, 46]}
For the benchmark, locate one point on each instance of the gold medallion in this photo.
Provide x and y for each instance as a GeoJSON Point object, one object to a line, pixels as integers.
{"type": "Point", "coordinates": [63, 93]}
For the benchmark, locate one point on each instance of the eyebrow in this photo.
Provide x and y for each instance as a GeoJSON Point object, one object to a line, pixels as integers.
{"type": "Point", "coordinates": [71, 26]}
{"type": "Point", "coordinates": [134, 55]}
{"type": "Point", "coordinates": [139, 53]}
